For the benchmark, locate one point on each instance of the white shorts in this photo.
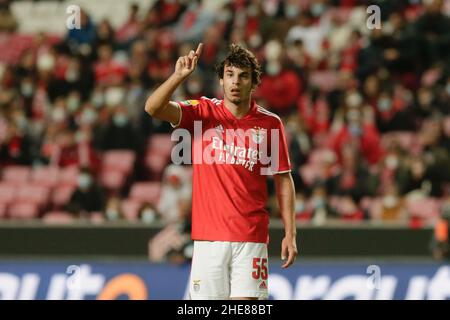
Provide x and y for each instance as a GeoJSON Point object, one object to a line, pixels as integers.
{"type": "Point", "coordinates": [222, 270]}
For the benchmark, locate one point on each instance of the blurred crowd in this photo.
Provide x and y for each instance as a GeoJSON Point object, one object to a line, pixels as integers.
{"type": "Point", "coordinates": [366, 110]}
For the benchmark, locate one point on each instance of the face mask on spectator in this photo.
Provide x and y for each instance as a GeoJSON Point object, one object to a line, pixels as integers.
{"type": "Point", "coordinates": [392, 162]}
{"type": "Point", "coordinates": [272, 50]}
{"type": "Point", "coordinates": [112, 214]}
{"type": "Point", "coordinates": [319, 202]}
{"type": "Point", "coordinates": [317, 9]}
{"type": "Point", "coordinates": [353, 115]}
{"type": "Point", "coordinates": [73, 103]}
{"type": "Point", "coordinates": [58, 115]}
{"type": "Point", "coordinates": [46, 62]}
{"type": "Point", "coordinates": [80, 137]}
{"type": "Point", "coordinates": [255, 40]}
{"type": "Point", "coordinates": [88, 116]}
{"type": "Point", "coordinates": [384, 104]}
{"type": "Point", "coordinates": [252, 11]}
{"type": "Point", "coordinates": [98, 99]}
{"type": "Point", "coordinates": [26, 89]}
{"type": "Point", "coordinates": [21, 122]}
{"type": "Point", "coordinates": [390, 201]}
{"type": "Point", "coordinates": [120, 119]}
{"type": "Point", "coordinates": [84, 181]}
{"type": "Point", "coordinates": [72, 75]}
{"type": "Point", "coordinates": [292, 10]}
{"type": "Point", "coordinates": [355, 129]}
{"type": "Point", "coordinates": [299, 206]}
{"type": "Point", "coordinates": [148, 215]}
{"type": "Point", "coordinates": [114, 96]}
{"type": "Point", "coordinates": [354, 100]}
{"type": "Point", "coordinates": [273, 68]}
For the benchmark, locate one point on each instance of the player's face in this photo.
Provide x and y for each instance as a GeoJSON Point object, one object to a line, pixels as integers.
{"type": "Point", "coordinates": [237, 84]}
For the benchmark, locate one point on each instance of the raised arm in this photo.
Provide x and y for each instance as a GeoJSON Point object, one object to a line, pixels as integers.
{"type": "Point", "coordinates": [158, 104]}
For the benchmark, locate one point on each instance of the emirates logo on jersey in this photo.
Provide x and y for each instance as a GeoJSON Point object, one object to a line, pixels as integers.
{"type": "Point", "coordinates": [258, 134]}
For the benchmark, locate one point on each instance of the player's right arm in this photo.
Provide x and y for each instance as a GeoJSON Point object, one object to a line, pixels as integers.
{"type": "Point", "coordinates": [158, 104]}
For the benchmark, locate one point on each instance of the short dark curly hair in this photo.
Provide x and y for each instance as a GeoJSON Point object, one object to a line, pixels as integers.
{"type": "Point", "coordinates": [241, 58]}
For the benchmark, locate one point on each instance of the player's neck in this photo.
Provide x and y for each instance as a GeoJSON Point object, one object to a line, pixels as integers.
{"type": "Point", "coordinates": [238, 110]}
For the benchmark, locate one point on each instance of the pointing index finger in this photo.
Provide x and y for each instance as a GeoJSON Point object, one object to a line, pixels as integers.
{"type": "Point", "coordinates": [198, 52]}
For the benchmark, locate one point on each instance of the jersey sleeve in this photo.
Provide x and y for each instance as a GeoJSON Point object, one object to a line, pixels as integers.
{"type": "Point", "coordinates": [191, 110]}
{"type": "Point", "coordinates": [284, 164]}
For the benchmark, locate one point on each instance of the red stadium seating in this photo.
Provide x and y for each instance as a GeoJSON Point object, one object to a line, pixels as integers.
{"type": "Point", "coordinates": [16, 175]}
{"type": "Point", "coordinates": [47, 176]}
{"type": "Point", "coordinates": [130, 209]}
{"type": "Point", "coordinates": [7, 193]}
{"type": "Point", "coordinates": [61, 195]}
{"type": "Point", "coordinates": [160, 144]}
{"type": "Point", "coordinates": [309, 172]}
{"type": "Point", "coordinates": [146, 192]}
{"type": "Point", "coordinates": [425, 208]}
{"type": "Point", "coordinates": [324, 80]}
{"type": "Point", "coordinates": [112, 179]}
{"type": "Point", "coordinates": [23, 211]}
{"type": "Point", "coordinates": [122, 160]}
{"type": "Point", "coordinates": [36, 194]}
{"type": "Point", "coordinates": [69, 176]}
{"type": "Point", "coordinates": [58, 217]}
{"type": "Point", "coordinates": [3, 210]}
{"type": "Point", "coordinates": [156, 163]}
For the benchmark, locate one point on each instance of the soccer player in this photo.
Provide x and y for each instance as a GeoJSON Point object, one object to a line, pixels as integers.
{"type": "Point", "coordinates": [229, 219]}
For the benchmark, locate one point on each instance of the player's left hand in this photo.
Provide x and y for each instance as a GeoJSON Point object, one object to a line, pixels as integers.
{"type": "Point", "coordinates": [289, 251]}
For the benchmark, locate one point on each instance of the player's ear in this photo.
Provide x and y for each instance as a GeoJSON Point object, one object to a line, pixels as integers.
{"type": "Point", "coordinates": [221, 82]}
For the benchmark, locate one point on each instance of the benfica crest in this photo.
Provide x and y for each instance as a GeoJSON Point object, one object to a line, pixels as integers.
{"type": "Point", "coordinates": [258, 134]}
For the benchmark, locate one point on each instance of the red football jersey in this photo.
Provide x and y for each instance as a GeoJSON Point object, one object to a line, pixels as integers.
{"type": "Point", "coordinates": [231, 160]}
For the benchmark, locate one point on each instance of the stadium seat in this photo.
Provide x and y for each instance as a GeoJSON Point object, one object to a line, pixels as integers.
{"type": "Point", "coordinates": [23, 211]}
{"type": "Point", "coordinates": [160, 144]}
{"type": "Point", "coordinates": [321, 156]}
{"type": "Point", "coordinates": [130, 209]}
{"type": "Point", "coordinates": [69, 176]}
{"type": "Point", "coordinates": [146, 192]}
{"type": "Point", "coordinates": [112, 179]}
{"type": "Point", "coordinates": [61, 195]}
{"type": "Point", "coordinates": [155, 163]}
{"type": "Point", "coordinates": [7, 193]}
{"type": "Point", "coordinates": [324, 80]}
{"type": "Point", "coordinates": [47, 176]}
{"type": "Point", "coordinates": [122, 160]}
{"type": "Point", "coordinates": [16, 175]}
{"type": "Point", "coordinates": [426, 208]}
{"type": "Point", "coordinates": [309, 173]}
{"type": "Point", "coordinates": [58, 217]}
{"type": "Point", "coordinates": [3, 210]}
{"type": "Point", "coordinates": [36, 194]}
{"type": "Point", "coordinates": [96, 217]}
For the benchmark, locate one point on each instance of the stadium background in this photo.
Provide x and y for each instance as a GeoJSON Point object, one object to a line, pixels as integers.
{"type": "Point", "coordinates": [90, 206]}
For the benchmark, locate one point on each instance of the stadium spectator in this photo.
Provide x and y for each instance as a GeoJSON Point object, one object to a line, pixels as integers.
{"type": "Point", "coordinates": [113, 210]}
{"type": "Point", "coordinates": [175, 202]}
{"type": "Point", "coordinates": [88, 197]}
